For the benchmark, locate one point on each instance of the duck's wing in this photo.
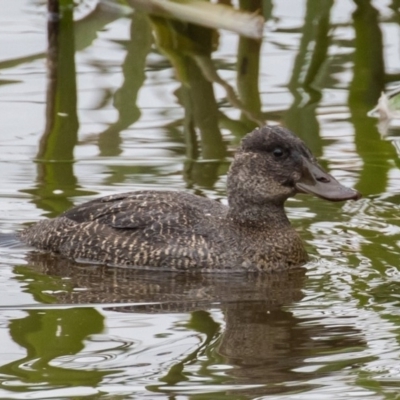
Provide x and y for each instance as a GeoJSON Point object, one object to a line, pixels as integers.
{"type": "Point", "coordinates": [144, 209]}
{"type": "Point", "coordinates": [140, 228]}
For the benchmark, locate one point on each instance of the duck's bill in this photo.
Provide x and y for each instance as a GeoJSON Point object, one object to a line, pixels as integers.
{"type": "Point", "coordinates": [319, 183]}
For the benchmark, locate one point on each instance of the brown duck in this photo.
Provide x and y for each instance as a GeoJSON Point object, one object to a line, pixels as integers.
{"type": "Point", "coordinates": [182, 231]}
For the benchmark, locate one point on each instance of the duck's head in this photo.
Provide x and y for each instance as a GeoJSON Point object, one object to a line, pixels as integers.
{"type": "Point", "coordinates": [273, 164]}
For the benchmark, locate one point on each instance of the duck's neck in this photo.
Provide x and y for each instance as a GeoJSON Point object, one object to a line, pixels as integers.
{"type": "Point", "coordinates": [269, 216]}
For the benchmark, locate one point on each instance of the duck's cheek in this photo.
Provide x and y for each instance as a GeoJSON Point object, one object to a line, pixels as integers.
{"type": "Point", "coordinates": [296, 176]}
{"type": "Point", "coordinates": [290, 182]}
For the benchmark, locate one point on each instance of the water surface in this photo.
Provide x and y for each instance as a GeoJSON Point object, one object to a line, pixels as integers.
{"type": "Point", "coordinates": [124, 117]}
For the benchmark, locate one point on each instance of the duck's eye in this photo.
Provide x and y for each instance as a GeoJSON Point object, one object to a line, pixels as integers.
{"type": "Point", "coordinates": [278, 152]}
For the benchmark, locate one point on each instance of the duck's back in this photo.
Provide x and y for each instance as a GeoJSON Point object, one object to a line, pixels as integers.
{"type": "Point", "coordinates": [158, 228]}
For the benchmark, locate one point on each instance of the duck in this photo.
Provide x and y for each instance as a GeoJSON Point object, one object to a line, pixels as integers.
{"type": "Point", "coordinates": [180, 231]}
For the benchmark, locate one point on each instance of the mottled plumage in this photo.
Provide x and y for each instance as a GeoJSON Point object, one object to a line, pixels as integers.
{"type": "Point", "coordinates": [181, 231]}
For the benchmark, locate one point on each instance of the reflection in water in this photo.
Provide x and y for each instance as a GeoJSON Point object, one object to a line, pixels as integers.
{"type": "Point", "coordinates": [365, 89]}
{"type": "Point", "coordinates": [46, 337]}
{"type": "Point", "coordinates": [273, 346]}
{"type": "Point", "coordinates": [312, 54]}
{"type": "Point", "coordinates": [248, 64]}
{"type": "Point", "coordinates": [262, 341]}
{"type": "Point", "coordinates": [133, 69]}
{"type": "Point", "coordinates": [176, 291]}
{"type": "Point", "coordinates": [55, 155]}
{"type": "Point", "coordinates": [183, 44]}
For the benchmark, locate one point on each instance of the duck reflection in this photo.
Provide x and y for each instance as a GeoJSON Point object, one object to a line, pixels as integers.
{"type": "Point", "coordinates": [262, 340]}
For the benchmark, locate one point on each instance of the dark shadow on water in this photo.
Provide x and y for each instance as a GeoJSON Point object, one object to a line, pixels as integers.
{"type": "Point", "coordinates": [171, 291]}
{"type": "Point", "coordinates": [262, 340]}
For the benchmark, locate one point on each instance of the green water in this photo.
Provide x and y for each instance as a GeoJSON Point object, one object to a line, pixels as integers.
{"type": "Point", "coordinates": [115, 103]}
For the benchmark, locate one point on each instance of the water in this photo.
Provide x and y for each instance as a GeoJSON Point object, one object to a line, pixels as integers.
{"type": "Point", "coordinates": [330, 331]}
